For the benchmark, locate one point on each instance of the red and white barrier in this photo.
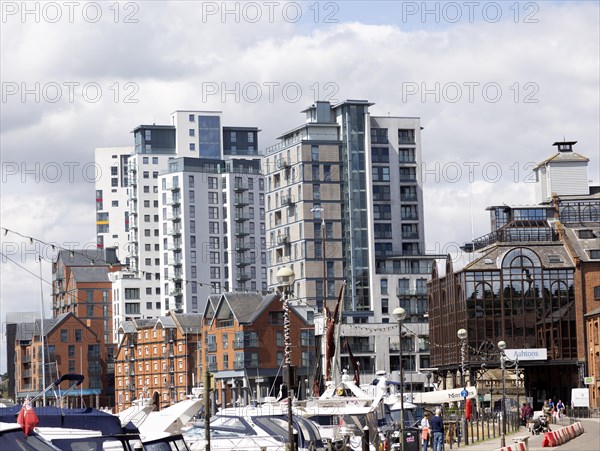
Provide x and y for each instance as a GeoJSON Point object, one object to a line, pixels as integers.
{"type": "Point", "coordinates": [562, 435]}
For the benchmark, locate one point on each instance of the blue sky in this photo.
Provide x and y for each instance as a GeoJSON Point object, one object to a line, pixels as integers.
{"type": "Point", "coordinates": [493, 95]}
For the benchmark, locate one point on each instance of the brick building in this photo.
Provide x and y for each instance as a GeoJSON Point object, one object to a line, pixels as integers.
{"type": "Point", "coordinates": [157, 358]}
{"type": "Point", "coordinates": [71, 346]}
{"type": "Point", "coordinates": [244, 345]}
{"type": "Point", "coordinates": [532, 283]}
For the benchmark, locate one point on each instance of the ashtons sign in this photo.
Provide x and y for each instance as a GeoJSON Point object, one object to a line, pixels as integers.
{"type": "Point", "coordinates": [527, 354]}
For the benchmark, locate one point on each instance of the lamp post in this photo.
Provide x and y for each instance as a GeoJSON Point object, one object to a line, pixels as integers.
{"type": "Point", "coordinates": [462, 336]}
{"type": "Point", "coordinates": [399, 314]}
{"type": "Point", "coordinates": [502, 347]}
{"type": "Point", "coordinates": [286, 277]}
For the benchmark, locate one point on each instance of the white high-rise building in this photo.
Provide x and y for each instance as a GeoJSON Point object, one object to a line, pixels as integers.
{"type": "Point", "coordinates": [112, 213]}
{"type": "Point", "coordinates": [212, 210]}
{"type": "Point", "coordinates": [162, 219]}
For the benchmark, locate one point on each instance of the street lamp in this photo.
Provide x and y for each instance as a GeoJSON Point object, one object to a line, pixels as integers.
{"type": "Point", "coordinates": [502, 347]}
{"type": "Point", "coordinates": [399, 314]}
{"type": "Point", "coordinates": [286, 277]}
{"type": "Point", "coordinates": [462, 336]}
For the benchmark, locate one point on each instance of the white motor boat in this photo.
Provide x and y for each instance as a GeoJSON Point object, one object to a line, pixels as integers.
{"type": "Point", "coordinates": [255, 428]}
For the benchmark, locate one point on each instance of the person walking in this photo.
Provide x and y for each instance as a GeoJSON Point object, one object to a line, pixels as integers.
{"type": "Point", "coordinates": [425, 431]}
{"type": "Point", "coordinates": [560, 409]}
{"type": "Point", "coordinates": [437, 427]}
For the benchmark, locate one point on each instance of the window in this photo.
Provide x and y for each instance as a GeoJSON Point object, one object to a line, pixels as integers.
{"type": "Point", "coordinates": [71, 350]}
{"type": "Point", "coordinates": [192, 146]}
{"type": "Point", "coordinates": [385, 305]}
{"type": "Point", "coordinates": [64, 335]}
{"type": "Point", "coordinates": [384, 286]}
{"type": "Point", "coordinates": [406, 136]}
{"type": "Point", "coordinates": [132, 293]}
{"type": "Point", "coordinates": [381, 173]}
{"type": "Point", "coordinates": [78, 334]}
{"type": "Point", "coordinates": [597, 292]}
{"type": "Point", "coordinates": [379, 135]}
{"type": "Point", "coordinates": [192, 132]}
{"type": "Point", "coordinates": [191, 118]}
{"type": "Point", "coordinates": [406, 155]}
{"type": "Point", "coordinates": [314, 153]}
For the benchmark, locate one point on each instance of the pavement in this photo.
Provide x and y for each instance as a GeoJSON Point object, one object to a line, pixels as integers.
{"type": "Point", "coordinates": [588, 441]}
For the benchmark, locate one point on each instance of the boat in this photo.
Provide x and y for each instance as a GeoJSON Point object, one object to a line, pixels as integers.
{"type": "Point", "coordinates": [87, 428]}
{"type": "Point", "coordinates": [13, 438]}
{"type": "Point", "coordinates": [255, 427]}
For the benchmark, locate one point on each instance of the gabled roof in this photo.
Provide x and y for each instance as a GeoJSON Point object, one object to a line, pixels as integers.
{"type": "Point", "coordinates": [26, 331]}
{"type": "Point", "coordinates": [241, 306]}
{"type": "Point", "coordinates": [211, 306]}
{"type": "Point", "coordinates": [187, 322]}
{"type": "Point", "coordinates": [563, 157]}
{"type": "Point", "coordinates": [580, 245]}
{"type": "Point", "coordinates": [246, 308]}
{"type": "Point", "coordinates": [82, 257]}
{"type": "Point", "coordinates": [90, 274]}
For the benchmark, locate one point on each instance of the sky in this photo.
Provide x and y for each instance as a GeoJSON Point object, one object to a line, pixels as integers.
{"type": "Point", "coordinates": [494, 83]}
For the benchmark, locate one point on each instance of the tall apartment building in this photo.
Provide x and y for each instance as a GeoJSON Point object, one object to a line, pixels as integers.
{"type": "Point", "coordinates": [162, 215]}
{"type": "Point", "coordinates": [112, 213]}
{"type": "Point", "coordinates": [344, 203]}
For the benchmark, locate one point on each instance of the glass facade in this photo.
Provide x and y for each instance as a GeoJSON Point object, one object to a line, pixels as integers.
{"type": "Point", "coordinates": [354, 214]}
{"type": "Point", "coordinates": [209, 136]}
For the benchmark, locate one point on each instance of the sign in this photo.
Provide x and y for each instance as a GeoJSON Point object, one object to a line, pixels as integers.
{"type": "Point", "coordinates": [589, 380]}
{"type": "Point", "coordinates": [580, 397]}
{"type": "Point", "coordinates": [527, 354]}
{"type": "Point", "coordinates": [464, 393]}
{"type": "Point", "coordinates": [442, 396]}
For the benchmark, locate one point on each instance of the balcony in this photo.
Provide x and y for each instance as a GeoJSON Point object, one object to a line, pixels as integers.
{"type": "Point", "coordinates": [240, 187]}
{"type": "Point", "coordinates": [174, 247]}
{"type": "Point", "coordinates": [172, 186]}
{"type": "Point", "coordinates": [211, 347]}
{"type": "Point", "coordinates": [242, 277]}
{"type": "Point", "coordinates": [176, 293]}
{"type": "Point", "coordinates": [174, 232]}
{"type": "Point", "coordinates": [283, 163]}
{"type": "Point", "coordinates": [173, 216]}
{"type": "Point", "coordinates": [241, 231]}
{"type": "Point", "coordinates": [283, 239]}
{"type": "Point", "coordinates": [240, 201]}
{"type": "Point", "coordinates": [242, 246]}
{"type": "Point", "coordinates": [26, 374]}
{"type": "Point", "coordinates": [176, 262]}
{"type": "Point", "coordinates": [241, 261]}
{"type": "Point", "coordinates": [287, 201]}
{"type": "Point", "coordinates": [241, 217]}
{"type": "Point", "coordinates": [178, 276]}
{"type": "Point", "coordinates": [410, 235]}
{"type": "Point", "coordinates": [174, 201]}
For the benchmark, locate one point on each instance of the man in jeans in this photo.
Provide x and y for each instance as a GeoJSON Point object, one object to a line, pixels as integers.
{"type": "Point", "coordinates": [437, 427]}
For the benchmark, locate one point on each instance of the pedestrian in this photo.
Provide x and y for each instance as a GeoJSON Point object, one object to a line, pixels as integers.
{"type": "Point", "coordinates": [425, 431]}
{"type": "Point", "coordinates": [524, 414]}
{"type": "Point", "coordinates": [560, 408]}
{"type": "Point", "coordinates": [437, 427]}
